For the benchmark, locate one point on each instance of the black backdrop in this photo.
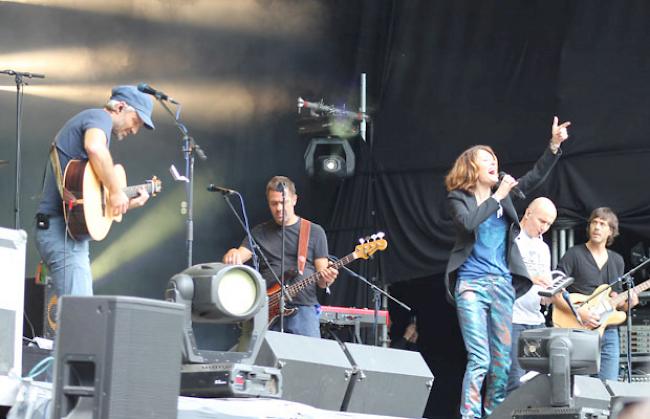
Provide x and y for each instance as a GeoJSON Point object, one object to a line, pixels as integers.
{"type": "Point", "coordinates": [442, 75]}
{"type": "Point", "coordinates": [454, 74]}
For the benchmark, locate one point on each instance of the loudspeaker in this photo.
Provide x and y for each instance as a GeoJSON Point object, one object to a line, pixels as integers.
{"type": "Point", "coordinates": [587, 392]}
{"type": "Point", "coordinates": [12, 274]}
{"type": "Point", "coordinates": [314, 371]}
{"type": "Point", "coordinates": [117, 357]}
{"type": "Point", "coordinates": [390, 382]}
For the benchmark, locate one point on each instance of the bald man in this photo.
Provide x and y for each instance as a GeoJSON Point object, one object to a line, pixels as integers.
{"type": "Point", "coordinates": [526, 313]}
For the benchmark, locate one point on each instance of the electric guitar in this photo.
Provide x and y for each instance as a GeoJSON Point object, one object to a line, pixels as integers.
{"type": "Point", "coordinates": [603, 304]}
{"type": "Point", "coordinates": [85, 199]}
{"type": "Point", "coordinates": [361, 251]}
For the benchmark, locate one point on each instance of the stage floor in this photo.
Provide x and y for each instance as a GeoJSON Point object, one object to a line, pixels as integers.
{"type": "Point", "coordinates": [188, 407]}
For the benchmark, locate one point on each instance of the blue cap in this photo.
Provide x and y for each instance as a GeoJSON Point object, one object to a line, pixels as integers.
{"type": "Point", "coordinates": [141, 102]}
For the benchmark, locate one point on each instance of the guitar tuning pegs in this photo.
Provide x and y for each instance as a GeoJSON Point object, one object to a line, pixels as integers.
{"type": "Point", "coordinates": [361, 240]}
{"type": "Point", "coordinates": [374, 237]}
{"type": "Point", "coordinates": [380, 235]}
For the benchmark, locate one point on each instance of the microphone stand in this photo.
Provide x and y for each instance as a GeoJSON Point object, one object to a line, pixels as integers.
{"type": "Point", "coordinates": [20, 87]}
{"type": "Point", "coordinates": [282, 188]}
{"type": "Point", "coordinates": [377, 291]}
{"type": "Point", "coordinates": [190, 147]}
{"type": "Point", "coordinates": [254, 247]}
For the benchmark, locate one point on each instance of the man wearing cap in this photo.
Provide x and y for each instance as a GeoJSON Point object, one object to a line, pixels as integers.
{"type": "Point", "coordinates": [87, 136]}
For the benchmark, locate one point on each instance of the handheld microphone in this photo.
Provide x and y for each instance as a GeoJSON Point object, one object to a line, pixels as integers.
{"type": "Point", "coordinates": [159, 94]}
{"type": "Point", "coordinates": [214, 188]}
{"type": "Point", "coordinates": [518, 193]}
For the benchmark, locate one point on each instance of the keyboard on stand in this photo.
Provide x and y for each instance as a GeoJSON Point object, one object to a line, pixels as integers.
{"type": "Point", "coordinates": [357, 318]}
{"type": "Point", "coordinates": [559, 282]}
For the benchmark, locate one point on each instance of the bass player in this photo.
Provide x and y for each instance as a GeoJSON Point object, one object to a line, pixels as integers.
{"type": "Point", "coordinates": [305, 318]}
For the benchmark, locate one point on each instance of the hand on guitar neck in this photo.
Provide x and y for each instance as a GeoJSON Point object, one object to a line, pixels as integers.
{"type": "Point", "coordinates": [623, 304]}
{"type": "Point", "coordinates": [141, 199]}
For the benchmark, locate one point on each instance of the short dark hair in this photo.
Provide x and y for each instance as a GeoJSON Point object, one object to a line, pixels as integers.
{"type": "Point", "coordinates": [608, 215]}
{"type": "Point", "coordinates": [276, 180]}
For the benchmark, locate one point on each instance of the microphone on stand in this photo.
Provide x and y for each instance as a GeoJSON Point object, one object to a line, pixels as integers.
{"type": "Point", "coordinates": [145, 88]}
{"type": "Point", "coordinates": [515, 190]}
{"type": "Point", "coordinates": [214, 188]}
{"type": "Point", "coordinates": [23, 74]}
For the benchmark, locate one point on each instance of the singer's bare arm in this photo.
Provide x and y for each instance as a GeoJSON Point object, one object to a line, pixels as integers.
{"type": "Point", "coordinates": [237, 256]}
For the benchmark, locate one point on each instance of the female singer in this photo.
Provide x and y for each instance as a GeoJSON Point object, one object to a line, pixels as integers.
{"type": "Point", "coordinates": [485, 272]}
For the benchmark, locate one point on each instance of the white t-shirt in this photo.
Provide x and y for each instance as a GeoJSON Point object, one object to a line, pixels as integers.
{"type": "Point", "coordinates": [537, 258]}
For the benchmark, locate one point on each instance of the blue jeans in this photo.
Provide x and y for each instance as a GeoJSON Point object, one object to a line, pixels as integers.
{"type": "Point", "coordinates": [516, 372]}
{"type": "Point", "coordinates": [67, 260]}
{"type": "Point", "coordinates": [305, 322]}
{"type": "Point", "coordinates": [484, 307]}
{"type": "Point", "coordinates": [610, 353]}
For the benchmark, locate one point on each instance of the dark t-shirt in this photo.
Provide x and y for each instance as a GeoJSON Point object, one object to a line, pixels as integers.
{"type": "Point", "coordinates": [580, 264]}
{"type": "Point", "coordinates": [70, 145]}
{"type": "Point", "coordinates": [268, 236]}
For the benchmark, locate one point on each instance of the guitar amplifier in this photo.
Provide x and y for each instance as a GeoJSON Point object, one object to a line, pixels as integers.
{"type": "Point", "coordinates": [230, 380]}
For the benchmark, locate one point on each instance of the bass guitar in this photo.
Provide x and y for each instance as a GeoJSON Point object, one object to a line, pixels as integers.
{"type": "Point", "coordinates": [361, 251]}
{"type": "Point", "coordinates": [85, 199]}
{"type": "Point", "coordinates": [599, 302]}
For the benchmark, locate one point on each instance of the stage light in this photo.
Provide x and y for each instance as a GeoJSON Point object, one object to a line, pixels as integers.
{"type": "Point", "coordinates": [329, 158]}
{"type": "Point", "coordinates": [220, 293]}
{"type": "Point", "coordinates": [560, 353]}
{"type": "Point", "coordinates": [226, 293]}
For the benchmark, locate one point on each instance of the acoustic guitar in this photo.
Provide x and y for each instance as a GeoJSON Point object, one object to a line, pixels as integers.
{"type": "Point", "coordinates": [361, 251]}
{"type": "Point", "coordinates": [85, 199]}
{"type": "Point", "coordinates": [602, 304]}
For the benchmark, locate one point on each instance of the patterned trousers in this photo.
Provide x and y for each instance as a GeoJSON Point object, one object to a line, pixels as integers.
{"type": "Point", "coordinates": [484, 307]}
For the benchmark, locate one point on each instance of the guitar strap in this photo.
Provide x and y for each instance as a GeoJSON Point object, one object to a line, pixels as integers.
{"type": "Point", "coordinates": [303, 244]}
{"type": "Point", "coordinates": [66, 195]}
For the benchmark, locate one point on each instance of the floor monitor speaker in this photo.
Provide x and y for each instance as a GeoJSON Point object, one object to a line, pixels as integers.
{"type": "Point", "coordinates": [314, 371]}
{"type": "Point", "coordinates": [390, 382]}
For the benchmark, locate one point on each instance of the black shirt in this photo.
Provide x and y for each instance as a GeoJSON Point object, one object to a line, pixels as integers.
{"type": "Point", "coordinates": [268, 236]}
{"type": "Point", "coordinates": [579, 263]}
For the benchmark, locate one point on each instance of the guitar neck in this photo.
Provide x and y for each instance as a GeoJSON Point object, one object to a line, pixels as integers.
{"type": "Point", "coordinates": [638, 289]}
{"type": "Point", "coordinates": [293, 290]}
{"type": "Point", "coordinates": [132, 191]}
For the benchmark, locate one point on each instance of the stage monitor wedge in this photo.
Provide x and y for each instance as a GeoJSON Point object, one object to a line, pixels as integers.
{"type": "Point", "coordinates": [388, 381]}
{"type": "Point", "coordinates": [314, 371]}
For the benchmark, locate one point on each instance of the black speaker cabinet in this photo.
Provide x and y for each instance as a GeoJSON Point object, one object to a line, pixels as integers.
{"type": "Point", "coordinates": [314, 371]}
{"type": "Point", "coordinates": [117, 357]}
{"type": "Point", "coordinates": [390, 382]}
